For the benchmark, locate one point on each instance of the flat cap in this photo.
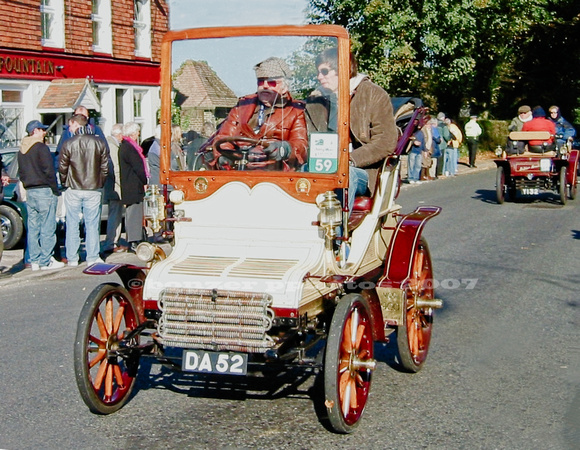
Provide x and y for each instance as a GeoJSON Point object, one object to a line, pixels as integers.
{"type": "Point", "coordinates": [273, 68]}
{"type": "Point", "coordinates": [524, 109]}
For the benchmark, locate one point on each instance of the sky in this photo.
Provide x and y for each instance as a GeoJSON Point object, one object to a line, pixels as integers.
{"type": "Point", "coordinates": [209, 13]}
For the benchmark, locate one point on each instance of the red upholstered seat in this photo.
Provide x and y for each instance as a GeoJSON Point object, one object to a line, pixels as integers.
{"type": "Point", "coordinates": [362, 206]}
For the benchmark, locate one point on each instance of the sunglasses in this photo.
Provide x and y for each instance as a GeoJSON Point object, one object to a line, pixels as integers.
{"type": "Point", "coordinates": [324, 71]}
{"type": "Point", "coordinates": [264, 82]}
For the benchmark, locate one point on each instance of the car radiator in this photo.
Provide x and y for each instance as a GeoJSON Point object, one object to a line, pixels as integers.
{"type": "Point", "coordinates": [215, 320]}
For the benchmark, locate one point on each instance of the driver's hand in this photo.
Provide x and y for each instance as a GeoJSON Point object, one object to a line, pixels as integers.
{"type": "Point", "coordinates": [278, 150]}
{"type": "Point", "coordinates": [255, 155]}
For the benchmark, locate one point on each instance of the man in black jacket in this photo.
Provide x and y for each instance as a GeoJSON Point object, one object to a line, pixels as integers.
{"type": "Point", "coordinates": [83, 166]}
{"type": "Point", "coordinates": [37, 174]}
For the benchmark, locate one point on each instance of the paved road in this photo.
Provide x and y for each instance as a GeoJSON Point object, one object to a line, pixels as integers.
{"type": "Point", "coordinates": [503, 371]}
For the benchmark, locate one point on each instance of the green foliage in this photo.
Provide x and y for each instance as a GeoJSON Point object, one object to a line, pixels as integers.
{"type": "Point", "coordinates": [489, 56]}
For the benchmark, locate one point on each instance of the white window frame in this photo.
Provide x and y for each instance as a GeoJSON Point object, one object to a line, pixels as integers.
{"type": "Point", "coordinates": [54, 8]}
{"type": "Point", "coordinates": [102, 17]}
{"type": "Point", "coordinates": [142, 27]}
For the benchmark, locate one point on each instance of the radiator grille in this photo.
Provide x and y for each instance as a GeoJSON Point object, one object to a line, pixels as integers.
{"type": "Point", "coordinates": [215, 320]}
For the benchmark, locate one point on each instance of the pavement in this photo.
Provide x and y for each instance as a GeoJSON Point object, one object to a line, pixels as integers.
{"type": "Point", "coordinates": [12, 269]}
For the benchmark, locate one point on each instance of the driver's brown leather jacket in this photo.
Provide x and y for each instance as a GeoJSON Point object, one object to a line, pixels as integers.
{"type": "Point", "coordinates": [282, 123]}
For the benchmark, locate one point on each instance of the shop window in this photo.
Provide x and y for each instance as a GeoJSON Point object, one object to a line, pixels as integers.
{"type": "Point", "coordinates": [138, 97]}
{"type": "Point", "coordinates": [52, 23]}
{"type": "Point", "coordinates": [101, 17]}
{"type": "Point", "coordinates": [142, 25]}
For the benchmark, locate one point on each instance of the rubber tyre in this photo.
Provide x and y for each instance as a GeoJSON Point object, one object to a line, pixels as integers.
{"type": "Point", "coordinates": [105, 380]}
{"type": "Point", "coordinates": [563, 187]}
{"type": "Point", "coordinates": [500, 185]}
{"type": "Point", "coordinates": [414, 334]}
{"type": "Point", "coordinates": [12, 227]}
{"type": "Point", "coordinates": [348, 363]}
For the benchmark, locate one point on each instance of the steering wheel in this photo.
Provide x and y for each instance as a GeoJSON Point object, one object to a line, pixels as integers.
{"type": "Point", "coordinates": [239, 154]}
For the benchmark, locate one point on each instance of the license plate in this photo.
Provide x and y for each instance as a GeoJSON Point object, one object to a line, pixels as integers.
{"type": "Point", "coordinates": [215, 362]}
{"type": "Point", "coordinates": [530, 191]}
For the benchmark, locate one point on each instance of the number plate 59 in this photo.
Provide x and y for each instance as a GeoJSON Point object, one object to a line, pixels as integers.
{"type": "Point", "coordinates": [214, 362]}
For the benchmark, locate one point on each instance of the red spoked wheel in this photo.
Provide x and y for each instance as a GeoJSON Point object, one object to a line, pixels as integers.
{"type": "Point", "coordinates": [349, 363]}
{"type": "Point", "coordinates": [105, 365]}
{"type": "Point", "coordinates": [414, 335]}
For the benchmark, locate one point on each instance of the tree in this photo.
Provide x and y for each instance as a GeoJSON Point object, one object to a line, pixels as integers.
{"type": "Point", "coordinates": [454, 53]}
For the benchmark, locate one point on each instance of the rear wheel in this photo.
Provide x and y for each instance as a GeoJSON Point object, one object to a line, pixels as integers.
{"type": "Point", "coordinates": [563, 187]}
{"type": "Point", "coordinates": [105, 368]}
{"type": "Point", "coordinates": [348, 363]}
{"type": "Point", "coordinates": [414, 335]}
{"type": "Point", "coordinates": [500, 185]}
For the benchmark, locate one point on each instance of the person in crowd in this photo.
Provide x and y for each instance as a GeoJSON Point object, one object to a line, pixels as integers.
{"type": "Point", "coordinates": [426, 149]}
{"type": "Point", "coordinates": [564, 129]}
{"type": "Point", "coordinates": [194, 142]}
{"type": "Point", "coordinates": [272, 116]}
{"type": "Point", "coordinates": [83, 166]}
{"type": "Point", "coordinates": [372, 124]}
{"type": "Point", "coordinates": [154, 157]}
{"type": "Point", "coordinates": [38, 176]}
{"type": "Point", "coordinates": [443, 129]}
{"type": "Point", "coordinates": [134, 176]}
{"type": "Point", "coordinates": [112, 193]}
{"type": "Point", "coordinates": [472, 133]}
{"type": "Point", "coordinates": [178, 161]}
{"type": "Point", "coordinates": [517, 123]}
{"type": "Point", "coordinates": [415, 157]}
{"type": "Point", "coordinates": [452, 150]}
{"type": "Point", "coordinates": [540, 123]}
{"type": "Point", "coordinates": [435, 149]}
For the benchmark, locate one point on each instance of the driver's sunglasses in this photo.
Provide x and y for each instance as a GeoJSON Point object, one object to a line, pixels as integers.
{"type": "Point", "coordinates": [324, 71]}
{"type": "Point", "coordinates": [268, 82]}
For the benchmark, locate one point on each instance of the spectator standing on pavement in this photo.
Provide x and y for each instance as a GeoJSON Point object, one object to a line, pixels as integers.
{"type": "Point", "coordinates": [443, 129]}
{"type": "Point", "coordinates": [112, 192]}
{"type": "Point", "coordinates": [134, 176]}
{"type": "Point", "coordinates": [435, 149]}
{"type": "Point", "coordinates": [452, 150]}
{"type": "Point", "coordinates": [37, 174]}
{"type": "Point", "coordinates": [83, 166]}
{"type": "Point", "coordinates": [154, 157]}
{"type": "Point", "coordinates": [472, 133]}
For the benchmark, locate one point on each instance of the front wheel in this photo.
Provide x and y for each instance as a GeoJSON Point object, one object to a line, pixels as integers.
{"type": "Point", "coordinates": [563, 187]}
{"type": "Point", "coordinates": [12, 227]}
{"type": "Point", "coordinates": [349, 363]}
{"type": "Point", "coordinates": [105, 367]}
{"type": "Point", "coordinates": [414, 335]}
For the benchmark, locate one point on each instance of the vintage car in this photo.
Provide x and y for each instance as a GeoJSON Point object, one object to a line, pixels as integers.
{"type": "Point", "coordinates": [525, 173]}
{"type": "Point", "coordinates": [267, 270]}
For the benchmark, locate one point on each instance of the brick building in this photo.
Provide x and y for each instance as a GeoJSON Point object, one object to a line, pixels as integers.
{"type": "Point", "coordinates": [58, 54]}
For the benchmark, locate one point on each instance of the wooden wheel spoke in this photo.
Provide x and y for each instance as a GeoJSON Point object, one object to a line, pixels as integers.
{"type": "Point", "coordinates": [353, 398]}
{"type": "Point", "coordinates": [359, 335]}
{"type": "Point", "coordinates": [97, 341]}
{"type": "Point", "coordinates": [354, 324]}
{"type": "Point", "coordinates": [343, 365]}
{"type": "Point", "coordinates": [118, 319]}
{"type": "Point", "coordinates": [109, 315]}
{"type": "Point", "coordinates": [346, 340]}
{"type": "Point", "coordinates": [118, 375]}
{"type": "Point", "coordinates": [102, 326]}
{"type": "Point", "coordinates": [99, 357]}
{"type": "Point", "coordinates": [345, 399]}
{"type": "Point", "coordinates": [109, 382]}
{"type": "Point", "coordinates": [101, 374]}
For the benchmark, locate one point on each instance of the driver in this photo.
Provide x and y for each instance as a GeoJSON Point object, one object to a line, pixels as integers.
{"type": "Point", "coordinates": [270, 116]}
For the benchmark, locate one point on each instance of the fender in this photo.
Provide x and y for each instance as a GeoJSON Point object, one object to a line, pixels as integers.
{"type": "Point", "coordinates": [571, 175]}
{"type": "Point", "coordinates": [503, 163]}
{"type": "Point", "coordinates": [402, 246]}
{"type": "Point", "coordinates": [133, 279]}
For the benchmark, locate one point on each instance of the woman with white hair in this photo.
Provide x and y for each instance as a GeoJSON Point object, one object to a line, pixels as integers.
{"type": "Point", "coordinates": [134, 177]}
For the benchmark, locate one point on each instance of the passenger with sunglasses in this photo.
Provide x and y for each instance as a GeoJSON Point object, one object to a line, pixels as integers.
{"type": "Point", "coordinates": [373, 134]}
{"type": "Point", "coordinates": [271, 116]}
